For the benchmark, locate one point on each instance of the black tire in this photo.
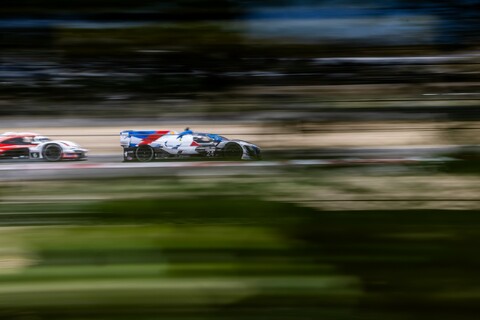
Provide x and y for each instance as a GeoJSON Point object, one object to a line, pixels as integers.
{"type": "Point", "coordinates": [144, 153]}
{"type": "Point", "coordinates": [52, 152]}
{"type": "Point", "coordinates": [233, 151]}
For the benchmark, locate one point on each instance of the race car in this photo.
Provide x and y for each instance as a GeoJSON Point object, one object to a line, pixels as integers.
{"type": "Point", "coordinates": [148, 145]}
{"type": "Point", "coordinates": [27, 145]}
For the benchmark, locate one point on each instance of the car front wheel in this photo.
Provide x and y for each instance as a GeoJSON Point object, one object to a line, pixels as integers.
{"type": "Point", "coordinates": [233, 151]}
{"type": "Point", "coordinates": [52, 152]}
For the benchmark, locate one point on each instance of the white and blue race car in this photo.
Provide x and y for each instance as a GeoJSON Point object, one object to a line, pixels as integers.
{"type": "Point", "coordinates": [148, 145]}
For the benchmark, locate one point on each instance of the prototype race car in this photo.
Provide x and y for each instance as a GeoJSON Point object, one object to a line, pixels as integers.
{"type": "Point", "coordinates": [151, 145]}
{"type": "Point", "coordinates": [27, 145]}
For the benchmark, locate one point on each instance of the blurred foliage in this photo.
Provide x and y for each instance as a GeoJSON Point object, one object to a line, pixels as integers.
{"type": "Point", "coordinates": [118, 9]}
{"type": "Point", "coordinates": [277, 246]}
{"type": "Point", "coordinates": [95, 58]}
{"type": "Point", "coordinates": [191, 37]}
{"type": "Point", "coordinates": [240, 258]}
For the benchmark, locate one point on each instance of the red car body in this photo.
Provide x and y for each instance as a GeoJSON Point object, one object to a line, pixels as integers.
{"type": "Point", "coordinates": [16, 145]}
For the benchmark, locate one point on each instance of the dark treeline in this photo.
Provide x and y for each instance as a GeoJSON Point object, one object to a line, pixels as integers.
{"type": "Point", "coordinates": [68, 52]}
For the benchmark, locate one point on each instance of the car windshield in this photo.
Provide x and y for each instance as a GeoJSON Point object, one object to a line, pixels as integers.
{"type": "Point", "coordinates": [40, 139]}
{"type": "Point", "coordinates": [217, 138]}
{"type": "Point", "coordinates": [202, 139]}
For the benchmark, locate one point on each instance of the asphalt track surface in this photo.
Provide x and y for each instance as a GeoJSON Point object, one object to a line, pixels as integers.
{"type": "Point", "coordinates": [112, 166]}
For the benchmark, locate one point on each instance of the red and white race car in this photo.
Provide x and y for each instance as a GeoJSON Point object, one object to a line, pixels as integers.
{"type": "Point", "coordinates": [27, 145]}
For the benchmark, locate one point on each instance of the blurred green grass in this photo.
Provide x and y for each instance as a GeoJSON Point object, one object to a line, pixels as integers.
{"type": "Point", "coordinates": [236, 248]}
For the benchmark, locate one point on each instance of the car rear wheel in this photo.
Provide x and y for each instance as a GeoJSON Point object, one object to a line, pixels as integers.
{"type": "Point", "coordinates": [233, 151]}
{"type": "Point", "coordinates": [52, 152]}
{"type": "Point", "coordinates": [144, 153]}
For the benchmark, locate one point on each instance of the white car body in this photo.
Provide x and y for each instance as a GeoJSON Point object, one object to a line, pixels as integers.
{"type": "Point", "coordinates": [147, 145]}
{"type": "Point", "coordinates": [34, 146]}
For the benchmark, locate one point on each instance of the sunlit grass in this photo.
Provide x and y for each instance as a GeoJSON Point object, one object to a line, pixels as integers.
{"type": "Point", "coordinates": [278, 246]}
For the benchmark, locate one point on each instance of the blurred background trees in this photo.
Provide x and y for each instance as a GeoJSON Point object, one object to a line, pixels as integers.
{"type": "Point", "coordinates": [122, 54]}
